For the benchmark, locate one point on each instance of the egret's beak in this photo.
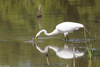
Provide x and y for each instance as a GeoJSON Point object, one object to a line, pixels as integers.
{"type": "Point", "coordinates": [36, 38]}
{"type": "Point", "coordinates": [36, 42]}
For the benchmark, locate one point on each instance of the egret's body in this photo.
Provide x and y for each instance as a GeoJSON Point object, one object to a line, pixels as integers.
{"type": "Point", "coordinates": [64, 27]}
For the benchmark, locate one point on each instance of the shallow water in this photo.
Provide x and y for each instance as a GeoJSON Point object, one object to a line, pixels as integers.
{"type": "Point", "coordinates": [19, 25]}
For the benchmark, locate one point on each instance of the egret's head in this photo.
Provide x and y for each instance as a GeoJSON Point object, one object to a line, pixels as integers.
{"type": "Point", "coordinates": [81, 26]}
{"type": "Point", "coordinates": [36, 42]}
{"type": "Point", "coordinates": [37, 35]}
{"type": "Point", "coordinates": [36, 38]}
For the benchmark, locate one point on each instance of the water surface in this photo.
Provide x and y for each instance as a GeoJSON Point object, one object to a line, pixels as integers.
{"type": "Point", "coordinates": [19, 25]}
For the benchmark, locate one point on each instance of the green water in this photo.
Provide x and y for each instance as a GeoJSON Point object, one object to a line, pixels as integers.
{"type": "Point", "coordinates": [19, 25]}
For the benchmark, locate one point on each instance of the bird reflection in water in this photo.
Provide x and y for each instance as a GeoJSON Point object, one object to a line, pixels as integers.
{"type": "Point", "coordinates": [64, 52]}
{"type": "Point", "coordinates": [39, 16]}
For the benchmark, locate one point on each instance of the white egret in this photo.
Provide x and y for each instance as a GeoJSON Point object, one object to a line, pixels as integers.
{"type": "Point", "coordinates": [64, 27]}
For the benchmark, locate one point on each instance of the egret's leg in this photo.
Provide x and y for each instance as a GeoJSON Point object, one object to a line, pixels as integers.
{"type": "Point", "coordinates": [67, 38]}
{"type": "Point", "coordinates": [65, 34]}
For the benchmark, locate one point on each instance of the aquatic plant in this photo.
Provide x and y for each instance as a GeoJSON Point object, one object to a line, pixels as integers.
{"type": "Point", "coordinates": [95, 37]}
{"type": "Point", "coordinates": [89, 45]}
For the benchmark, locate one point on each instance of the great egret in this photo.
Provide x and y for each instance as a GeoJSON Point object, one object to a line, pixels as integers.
{"type": "Point", "coordinates": [64, 27]}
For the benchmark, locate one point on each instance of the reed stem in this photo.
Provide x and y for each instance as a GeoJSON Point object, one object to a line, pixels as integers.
{"type": "Point", "coordinates": [88, 46]}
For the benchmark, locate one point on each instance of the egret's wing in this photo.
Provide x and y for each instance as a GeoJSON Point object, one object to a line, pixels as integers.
{"type": "Point", "coordinates": [68, 26]}
{"type": "Point", "coordinates": [65, 27]}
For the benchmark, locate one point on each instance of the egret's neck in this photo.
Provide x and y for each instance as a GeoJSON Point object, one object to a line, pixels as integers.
{"type": "Point", "coordinates": [47, 34]}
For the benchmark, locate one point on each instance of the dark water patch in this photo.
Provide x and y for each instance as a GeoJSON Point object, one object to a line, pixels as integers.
{"type": "Point", "coordinates": [96, 52]}
{"type": "Point", "coordinates": [58, 64]}
{"type": "Point", "coordinates": [98, 21]}
{"type": "Point", "coordinates": [43, 64]}
{"type": "Point", "coordinates": [53, 13]}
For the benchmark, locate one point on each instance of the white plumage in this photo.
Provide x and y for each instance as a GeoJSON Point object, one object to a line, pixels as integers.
{"type": "Point", "coordinates": [64, 27]}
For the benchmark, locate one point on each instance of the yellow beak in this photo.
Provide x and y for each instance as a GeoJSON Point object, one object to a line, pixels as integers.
{"type": "Point", "coordinates": [36, 41]}
{"type": "Point", "coordinates": [36, 38]}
